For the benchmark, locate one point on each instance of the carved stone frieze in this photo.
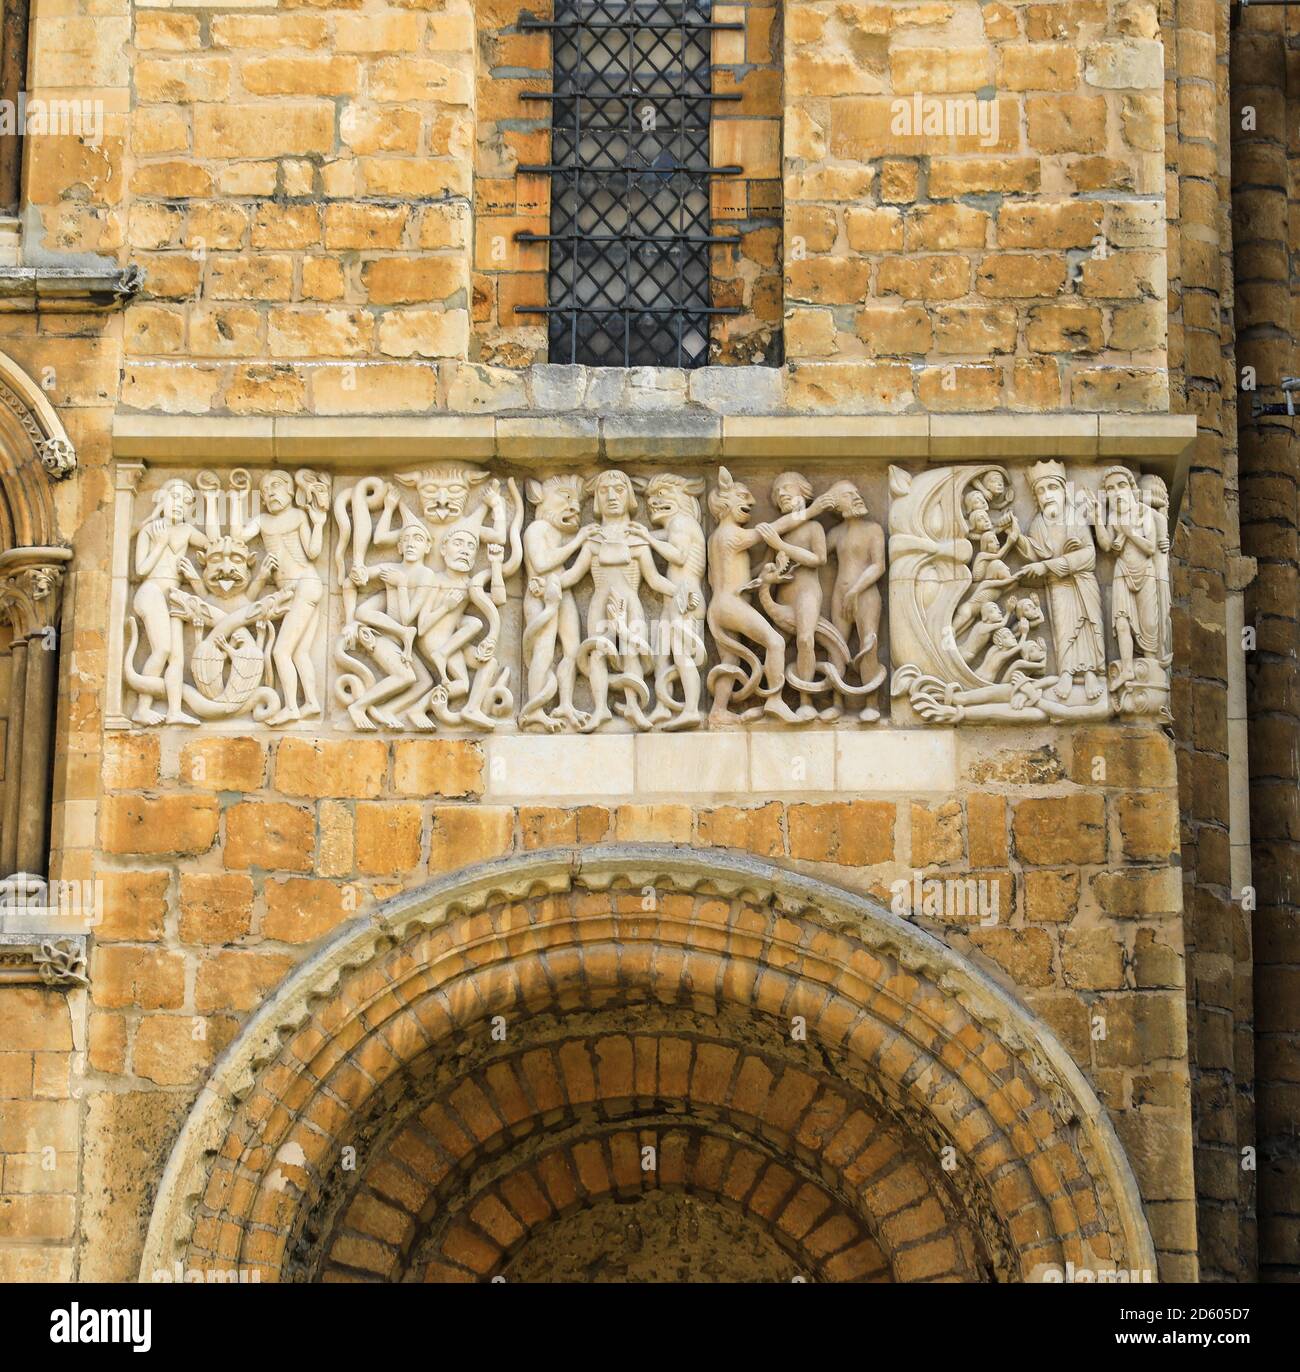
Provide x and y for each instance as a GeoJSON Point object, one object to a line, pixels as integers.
{"type": "Point", "coordinates": [226, 617]}
{"type": "Point", "coordinates": [1003, 590]}
{"type": "Point", "coordinates": [461, 598]}
{"type": "Point", "coordinates": [422, 583]}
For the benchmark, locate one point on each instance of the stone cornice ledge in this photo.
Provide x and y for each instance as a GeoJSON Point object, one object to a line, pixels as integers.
{"type": "Point", "coordinates": [67, 288]}
{"type": "Point", "coordinates": [1161, 438]}
{"type": "Point", "coordinates": [35, 960]}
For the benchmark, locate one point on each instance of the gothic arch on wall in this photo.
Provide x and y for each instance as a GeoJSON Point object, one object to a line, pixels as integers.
{"type": "Point", "coordinates": [34, 451]}
{"type": "Point", "coordinates": [481, 1064]}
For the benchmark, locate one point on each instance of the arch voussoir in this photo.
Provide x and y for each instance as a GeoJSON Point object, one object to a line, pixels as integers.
{"type": "Point", "coordinates": [565, 934]}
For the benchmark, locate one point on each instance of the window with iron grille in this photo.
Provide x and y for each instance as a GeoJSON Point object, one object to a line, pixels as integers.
{"type": "Point", "coordinates": [630, 229]}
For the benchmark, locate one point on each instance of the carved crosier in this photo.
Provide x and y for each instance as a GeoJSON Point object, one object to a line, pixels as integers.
{"type": "Point", "coordinates": [962, 652]}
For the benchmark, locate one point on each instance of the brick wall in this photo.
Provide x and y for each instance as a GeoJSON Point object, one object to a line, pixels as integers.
{"type": "Point", "coordinates": [40, 1132]}
{"type": "Point", "coordinates": [298, 189]}
{"type": "Point", "coordinates": [966, 265]}
{"type": "Point", "coordinates": [301, 201]}
{"type": "Point", "coordinates": [1263, 195]}
{"type": "Point", "coordinates": [216, 889]}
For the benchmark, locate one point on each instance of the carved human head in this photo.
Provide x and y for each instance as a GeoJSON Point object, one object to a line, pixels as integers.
{"type": "Point", "coordinates": [612, 495]}
{"type": "Point", "coordinates": [276, 489]}
{"type": "Point", "coordinates": [459, 548]}
{"type": "Point", "coordinates": [980, 521]}
{"type": "Point", "coordinates": [1028, 610]}
{"type": "Point", "coordinates": [1048, 482]}
{"type": "Point", "coordinates": [175, 501]}
{"type": "Point", "coordinates": [1120, 488]}
{"type": "Point", "coordinates": [791, 492]}
{"type": "Point", "coordinates": [1154, 491]}
{"type": "Point", "coordinates": [413, 542]}
{"type": "Point", "coordinates": [849, 503]}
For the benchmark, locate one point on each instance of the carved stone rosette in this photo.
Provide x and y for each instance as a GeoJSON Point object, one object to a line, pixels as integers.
{"type": "Point", "coordinates": [463, 599]}
{"type": "Point", "coordinates": [28, 960]}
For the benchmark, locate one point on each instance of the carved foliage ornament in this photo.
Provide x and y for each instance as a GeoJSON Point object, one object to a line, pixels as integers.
{"type": "Point", "coordinates": [449, 598]}
{"type": "Point", "coordinates": [30, 583]}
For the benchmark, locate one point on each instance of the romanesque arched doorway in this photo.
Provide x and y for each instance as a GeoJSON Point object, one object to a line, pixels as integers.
{"type": "Point", "coordinates": [643, 1062]}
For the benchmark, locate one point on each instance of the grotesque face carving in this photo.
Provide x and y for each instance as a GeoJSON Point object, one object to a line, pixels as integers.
{"type": "Point", "coordinates": [731, 499]}
{"type": "Point", "coordinates": [444, 491]}
{"type": "Point", "coordinates": [227, 566]}
{"type": "Point", "coordinates": [558, 500]}
{"type": "Point", "coordinates": [459, 549]}
{"type": "Point", "coordinates": [667, 495]}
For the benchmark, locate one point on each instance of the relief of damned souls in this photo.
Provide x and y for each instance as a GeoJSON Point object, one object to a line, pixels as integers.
{"type": "Point", "coordinates": [459, 599]}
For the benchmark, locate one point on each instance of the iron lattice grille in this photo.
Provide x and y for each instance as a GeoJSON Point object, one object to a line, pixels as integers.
{"type": "Point", "coordinates": [630, 228]}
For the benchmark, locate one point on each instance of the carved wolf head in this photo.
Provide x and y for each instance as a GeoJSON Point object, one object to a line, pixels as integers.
{"type": "Point", "coordinates": [444, 490]}
{"type": "Point", "coordinates": [558, 500]}
{"type": "Point", "coordinates": [667, 495]}
{"type": "Point", "coordinates": [730, 498]}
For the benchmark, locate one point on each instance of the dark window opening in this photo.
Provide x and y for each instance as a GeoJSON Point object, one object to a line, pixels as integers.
{"type": "Point", "coordinates": [629, 281]}
{"type": "Point", "coordinates": [13, 77]}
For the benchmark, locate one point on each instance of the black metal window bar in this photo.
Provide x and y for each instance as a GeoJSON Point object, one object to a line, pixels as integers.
{"type": "Point", "coordinates": [631, 229]}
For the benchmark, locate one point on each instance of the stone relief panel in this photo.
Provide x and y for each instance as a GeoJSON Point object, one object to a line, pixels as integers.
{"type": "Point", "coordinates": [422, 562]}
{"type": "Point", "coordinates": [465, 598]}
{"type": "Point", "coordinates": [226, 614]}
{"type": "Point", "coordinates": [614, 602]}
{"type": "Point", "coordinates": [1030, 596]}
{"type": "Point", "coordinates": [796, 603]}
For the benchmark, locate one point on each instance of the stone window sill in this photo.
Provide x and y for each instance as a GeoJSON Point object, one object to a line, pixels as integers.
{"type": "Point", "coordinates": [74, 289]}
